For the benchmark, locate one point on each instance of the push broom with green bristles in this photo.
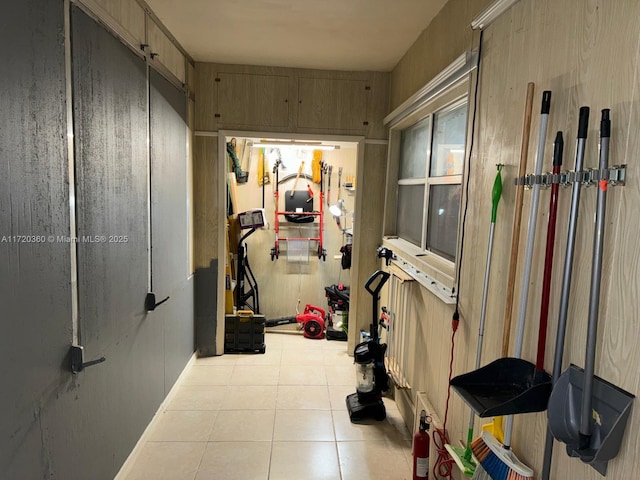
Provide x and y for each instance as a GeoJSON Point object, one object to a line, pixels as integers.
{"type": "Point", "coordinates": [463, 456]}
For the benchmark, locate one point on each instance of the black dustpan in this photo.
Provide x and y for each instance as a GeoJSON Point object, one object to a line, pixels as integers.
{"type": "Point", "coordinates": [506, 386]}
{"type": "Point", "coordinates": [611, 407]}
{"type": "Point", "coordinates": [511, 386]}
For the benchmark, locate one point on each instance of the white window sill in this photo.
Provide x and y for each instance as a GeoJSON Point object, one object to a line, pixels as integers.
{"type": "Point", "coordinates": [432, 272]}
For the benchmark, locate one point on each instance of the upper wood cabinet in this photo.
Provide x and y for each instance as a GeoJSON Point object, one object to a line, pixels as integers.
{"type": "Point", "coordinates": [137, 27]}
{"type": "Point", "coordinates": [125, 17]}
{"type": "Point", "coordinates": [331, 103]}
{"type": "Point", "coordinates": [252, 100]}
{"type": "Point", "coordinates": [163, 51]}
{"type": "Point", "coordinates": [292, 100]}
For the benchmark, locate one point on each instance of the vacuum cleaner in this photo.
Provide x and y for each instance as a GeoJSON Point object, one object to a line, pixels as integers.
{"type": "Point", "coordinates": [338, 300]}
{"type": "Point", "coordinates": [371, 376]}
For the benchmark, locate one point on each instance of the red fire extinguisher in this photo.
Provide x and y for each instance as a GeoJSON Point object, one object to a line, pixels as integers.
{"type": "Point", "coordinates": [421, 448]}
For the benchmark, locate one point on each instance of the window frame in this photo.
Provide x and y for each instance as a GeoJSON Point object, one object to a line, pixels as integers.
{"type": "Point", "coordinates": [439, 271]}
{"type": "Point", "coordinates": [429, 180]}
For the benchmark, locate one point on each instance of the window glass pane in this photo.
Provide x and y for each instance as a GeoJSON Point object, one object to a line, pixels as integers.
{"type": "Point", "coordinates": [410, 213]}
{"type": "Point", "coordinates": [448, 142]}
{"type": "Point", "coordinates": [414, 147]}
{"type": "Point", "coordinates": [442, 226]}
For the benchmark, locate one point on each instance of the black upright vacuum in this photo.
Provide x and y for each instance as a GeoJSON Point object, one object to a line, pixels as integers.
{"type": "Point", "coordinates": [371, 374]}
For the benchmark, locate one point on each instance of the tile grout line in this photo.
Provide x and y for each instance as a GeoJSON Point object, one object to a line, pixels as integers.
{"type": "Point", "coordinates": [275, 414]}
{"type": "Point", "coordinates": [335, 437]}
{"type": "Point", "coordinates": [201, 459]}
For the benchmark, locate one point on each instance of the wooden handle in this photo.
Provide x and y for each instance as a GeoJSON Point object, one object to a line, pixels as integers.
{"type": "Point", "coordinates": [517, 220]}
{"type": "Point", "coordinates": [293, 190]}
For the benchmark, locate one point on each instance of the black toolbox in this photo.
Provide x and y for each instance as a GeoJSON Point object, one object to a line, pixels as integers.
{"type": "Point", "coordinates": [244, 332]}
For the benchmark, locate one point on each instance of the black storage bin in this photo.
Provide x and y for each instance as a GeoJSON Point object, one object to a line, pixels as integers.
{"type": "Point", "coordinates": [244, 333]}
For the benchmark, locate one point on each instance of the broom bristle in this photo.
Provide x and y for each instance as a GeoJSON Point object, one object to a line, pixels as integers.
{"type": "Point", "coordinates": [495, 467]}
{"type": "Point", "coordinates": [499, 462]}
{"type": "Point", "coordinates": [513, 475]}
{"type": "Point", "coordinates": [478, 447]}
{"type": "Point", "coordinates": [480, 453]}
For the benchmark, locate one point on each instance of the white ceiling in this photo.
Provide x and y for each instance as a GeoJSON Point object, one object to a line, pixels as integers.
{"type": "Point", "coordinates": [322, 34]}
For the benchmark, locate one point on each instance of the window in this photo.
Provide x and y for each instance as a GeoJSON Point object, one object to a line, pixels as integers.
{"type": "Point", "coordinates": [431, 159]}
{"type": "Point", "coordinates": [428, 136]}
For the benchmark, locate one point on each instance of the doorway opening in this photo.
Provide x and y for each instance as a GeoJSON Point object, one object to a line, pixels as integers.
{"type": "Point", "coordinates": [305, 187]}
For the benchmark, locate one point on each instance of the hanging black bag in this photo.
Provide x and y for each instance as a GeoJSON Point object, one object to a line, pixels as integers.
{"type": "Point", "coordinates": [346, 256]}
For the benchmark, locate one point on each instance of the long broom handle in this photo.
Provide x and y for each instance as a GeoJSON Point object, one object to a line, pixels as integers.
{"type": "Point", "coordinates": [548, 257]}
{"type": "Point", "coordinates": [517, 220]}
{"type": "Point", "coordinates": [583, 127]}
{"type": "Point", "coordinates": [515, 233]}
{"type": "Point", "coordinates": [496, 193]}
{"type": "Point", "coordinates": [533, 212]}
{"type": "Point", "coordinates": [596, 273]}
{"type": "Point", "coordinates": [531, 234]}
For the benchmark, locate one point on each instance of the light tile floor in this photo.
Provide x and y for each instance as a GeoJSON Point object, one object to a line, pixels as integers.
{"type": "Point", "coordinates": [276, 416]}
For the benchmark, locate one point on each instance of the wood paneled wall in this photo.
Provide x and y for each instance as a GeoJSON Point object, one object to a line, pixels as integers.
{"type": "Point", "coordinates": [447, 37]}
{"type": "Point", "coordinates": [206, 188]}
{"type": "Point", "coordinates": [587, 53]}
{"type": "Point", "coordinates": [270, 100]}
{"type": "Point", "coordinates": [367, 236]}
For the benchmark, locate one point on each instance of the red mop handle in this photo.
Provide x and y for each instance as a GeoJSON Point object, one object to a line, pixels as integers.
{"type": "Point", "coordinates": [548, 258]}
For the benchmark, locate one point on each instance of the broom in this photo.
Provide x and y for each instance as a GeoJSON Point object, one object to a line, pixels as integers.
{"type": "Point", "coordinates": [497, 462]}
{"type": "Point", "coordinates": [462, 456]}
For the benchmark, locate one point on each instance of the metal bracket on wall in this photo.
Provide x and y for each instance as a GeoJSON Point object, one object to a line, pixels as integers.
{"type": "Point", "coordinates": [77, 359]}
{"type": "Point", "coordinates": [387, 254]}
{"type": "Point", "coordinates": [444, 293]}
{"type": "Point", "coordinates": [615, 177]}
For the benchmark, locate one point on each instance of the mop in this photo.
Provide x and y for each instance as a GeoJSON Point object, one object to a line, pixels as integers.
{"type": "Point", "coordinates": [462, 456]}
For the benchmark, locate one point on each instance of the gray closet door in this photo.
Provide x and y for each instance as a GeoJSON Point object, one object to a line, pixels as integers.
{"type": "Point", "coordinates": [35, 298]}
{"type": "Point", "coordinates": [121, 395]}
{"type": "Point", "coordinates": [169, 223]}
{"type": "Point", "coordinates": [110, 113]}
